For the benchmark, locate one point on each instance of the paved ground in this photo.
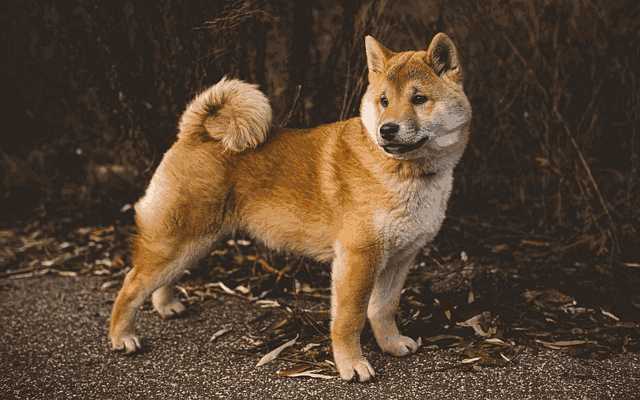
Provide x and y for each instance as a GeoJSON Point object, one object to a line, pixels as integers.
{"type": "Point", "coordinates": [53, 346]}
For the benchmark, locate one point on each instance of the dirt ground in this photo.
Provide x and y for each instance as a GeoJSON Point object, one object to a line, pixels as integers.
{"type": "Point", "coordinates": [53, 345]}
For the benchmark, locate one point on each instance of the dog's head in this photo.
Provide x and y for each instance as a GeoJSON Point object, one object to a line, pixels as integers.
{"type": "Point", "coordinates": [415, 105]}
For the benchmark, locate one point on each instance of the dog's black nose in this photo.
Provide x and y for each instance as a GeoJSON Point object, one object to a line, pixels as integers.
{"type": "Point", "coordinates": [388, 131]}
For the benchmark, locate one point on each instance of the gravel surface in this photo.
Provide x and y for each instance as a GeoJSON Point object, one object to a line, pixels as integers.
{"type": "Point", "coordinates": [53, 345]}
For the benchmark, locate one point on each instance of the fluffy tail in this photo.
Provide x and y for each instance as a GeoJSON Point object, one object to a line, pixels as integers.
{"type": "Point", "coordinates": [234, 112]}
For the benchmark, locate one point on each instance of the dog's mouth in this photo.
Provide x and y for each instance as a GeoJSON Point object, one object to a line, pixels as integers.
{"type": "Point", "coordinates": [397, 148]}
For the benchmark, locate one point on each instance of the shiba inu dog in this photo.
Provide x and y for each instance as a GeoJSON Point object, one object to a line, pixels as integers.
{"type": "Point", "coordinates": [365, 194]}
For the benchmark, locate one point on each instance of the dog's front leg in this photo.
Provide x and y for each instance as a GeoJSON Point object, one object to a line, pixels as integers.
{"type": "Point", "coordinates": [353, 274]}
{"type": "Point", "coordinates": [383, 306]}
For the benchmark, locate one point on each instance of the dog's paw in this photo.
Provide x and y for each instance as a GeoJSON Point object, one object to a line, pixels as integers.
{"type": "Point", "coordinates": [399, 346]}
{"type": "Point", "coordinates": [170, 309]}
{"type": "Point", "coordinates": [128, 344]}
{"type": "Point", "coordinates": [349, 368]}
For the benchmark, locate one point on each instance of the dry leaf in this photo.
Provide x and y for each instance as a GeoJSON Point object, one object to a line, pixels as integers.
{"type": "Point", "coordinates": [499, 248]}
{"type": "Point", "coordinates": [496, 341]}
{"type": "Point", "coordinates": [475, 323]}
{"type": "Point", "coordinates": [303, 371]}
{"type": "Point", "coordinates": [309, 347]}
{"type": "Point", "coordinates": [561, 344]}
{"type": "Point", "coordinates": [311, 374]}
{"type": "Point", "coordinates": [219, 333]}
{"type": "Point", "coordinates": [273, 354]}
{"type": "Point", "coordinates": [67, 273]}
{"type": "Point", "coordinates": [549, 298]}
{"type": "Point", "coordinates": [268, 303]}
{"type": "Point", "coordinates": [437, 338]}
{"type": "Point", "coordinates": [610, 315]}
{"type": "Point", "coordinates": [225, 288]}
{"type": "Point", "coordinates": [109, 284]}
{"type": "Point", "coordinates": [242, 289]}
{"type": "Point", "coordinates": [535, 243]}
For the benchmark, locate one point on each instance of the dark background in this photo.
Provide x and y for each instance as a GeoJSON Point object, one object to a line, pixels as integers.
{"type": "Point", "coordinates": [93, 91]}
{"type": "Point", "coordinates": [540, 249]}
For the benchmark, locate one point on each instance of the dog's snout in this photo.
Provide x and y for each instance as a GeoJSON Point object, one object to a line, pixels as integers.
{"type": "Point", "coordinates": [389, 130]}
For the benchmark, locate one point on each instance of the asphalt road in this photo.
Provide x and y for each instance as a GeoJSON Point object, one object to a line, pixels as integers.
{"type": "Point", "coordinates": [53, 345]}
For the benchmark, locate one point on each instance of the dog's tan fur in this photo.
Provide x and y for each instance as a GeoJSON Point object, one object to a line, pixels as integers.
{"type": "Point", "coordinates": [331, 192]}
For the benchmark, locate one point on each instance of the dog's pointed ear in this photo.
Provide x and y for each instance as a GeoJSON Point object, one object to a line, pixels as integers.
{"type": "Point", "coordinates": [377, 54]}
{"type": "Point", "coordinates": [442, 56]}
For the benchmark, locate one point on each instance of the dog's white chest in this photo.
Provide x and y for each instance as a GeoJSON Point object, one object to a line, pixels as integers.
{"type": "Point", "coordinates": [417, 218]}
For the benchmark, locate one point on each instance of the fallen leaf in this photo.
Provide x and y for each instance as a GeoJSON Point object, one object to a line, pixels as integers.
{"type": "Point", "coordinates": [219, 333]}
{"type": "Point", "coordinates": [242, 289]}
{"type": "Point", "coordinates": [471, 297]}
{"type": "Point", "coordinates": [311, 374]}
{"type": "Point", "coordinates": [475, 323]}
{"type": "Point", "coordinates": [444, 341]}
{"type": "Point", "coordinates": [561, 344]}
{"type": "Point", "coordinates": [496, 341]}
{"type": "Point", "coordinates": [303, 371]}
{"type": "Point", "coordinates": [109, 284]}
{"type": "Point", "coordinates": [67, 273]}
{"type": "Point", "coordinates": [273, 354]}
{"type": "Point", "coordinates": [534, 243]}
{"type": "Point", "coordinates": [225, 288]}
{"type": "Point", "coordinates": [309, 347]}
{"type": "Point", "coordinates": [499, 248]}
{"type": "Point", "coordinates": [549, 298]}
{"type": "Point", "coordinates": [610, 315]}
{"type": "Point", "coordinates": [268, 303]}
{"type": "Point", "coordinates": [294, 370]}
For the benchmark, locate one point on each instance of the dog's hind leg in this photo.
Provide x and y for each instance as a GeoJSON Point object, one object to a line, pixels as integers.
{"type": "Point", "coordinates": [166, 303]}
{"type": "Point", "coordinates": [155, 266]}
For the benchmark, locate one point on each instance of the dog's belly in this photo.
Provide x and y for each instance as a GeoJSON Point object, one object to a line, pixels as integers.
{"type": "Point", "coordinates": [284, 228]}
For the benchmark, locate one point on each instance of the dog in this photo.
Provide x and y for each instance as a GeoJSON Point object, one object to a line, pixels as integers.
{"type": "Point", "coordinates": [365, 194]}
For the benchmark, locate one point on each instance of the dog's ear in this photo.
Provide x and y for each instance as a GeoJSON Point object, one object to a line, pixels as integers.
{"type": "Point", "coordinates": [442, 56]}
{"type": "Point", "coordinates": [377, 54]}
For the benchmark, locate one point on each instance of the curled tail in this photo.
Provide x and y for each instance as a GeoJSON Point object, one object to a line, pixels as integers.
{"type": "Point", "coordinates": [234, 112]}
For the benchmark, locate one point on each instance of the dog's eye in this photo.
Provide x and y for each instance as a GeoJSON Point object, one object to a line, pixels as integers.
{"type": "Point", "coordinates": [418, 99]}
{"type": "Point", "coordinates": [384, 102]}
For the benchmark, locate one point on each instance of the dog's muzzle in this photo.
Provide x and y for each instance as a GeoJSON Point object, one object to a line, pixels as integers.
{"type": "Point", "coordinates": [401, 148]}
